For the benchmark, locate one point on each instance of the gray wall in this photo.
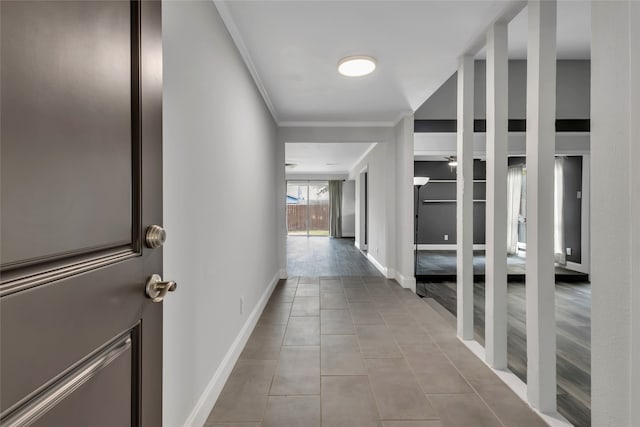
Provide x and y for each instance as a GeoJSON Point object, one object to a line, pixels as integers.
{"type": "Point", "coordinates": [438, 219]}
{"type": "Point", "coordinates": [573, 207]}
{"type": "Point", "coordinates": [349, 208]}
{"type": "Point", "coordinates": [572, 92]}
{"type": "Point", "coordinates": [219, 154]}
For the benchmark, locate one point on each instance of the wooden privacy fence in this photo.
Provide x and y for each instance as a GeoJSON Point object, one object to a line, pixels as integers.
{"type": "Point", "coordinates": [318, 217]}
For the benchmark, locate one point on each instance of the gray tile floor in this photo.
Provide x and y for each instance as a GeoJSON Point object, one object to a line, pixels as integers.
{"type": "Point", "coordinates": [360, 351]}
{"type": "Point", "coordinates": [573, 319]}
{"type": "Point", "coordinates": [325, 256]}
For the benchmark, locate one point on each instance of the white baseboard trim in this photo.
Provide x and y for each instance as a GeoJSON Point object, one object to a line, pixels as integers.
{"type": "Point", "coordinates": [208, 399]}
{"type": "Point", "coordinates": [391, 273]}
{"type": "Point", "coordinates": [362, 247]}
{"type": "Point", "coordinates": [515, 384]}
{"type": "Point", "coordinates": [381, 268]}
{"type": "Point", "coordinates": [577, 267]}
{"type": "Point", "coordinates": [348, 234]}
{"type": "Point", "coordinates": [445, 247]}
{"type": "Point", "coordinates": [406, 282]}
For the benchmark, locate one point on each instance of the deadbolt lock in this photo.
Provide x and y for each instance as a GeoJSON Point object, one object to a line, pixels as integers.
{"type": "Point", "coordinates": [155, 236]}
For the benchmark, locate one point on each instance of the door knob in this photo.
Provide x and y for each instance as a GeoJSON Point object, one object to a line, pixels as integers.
{"type": "Point", "coordinates": [156, 289]}
{"type": "Point", "coordinates": [155, 236]}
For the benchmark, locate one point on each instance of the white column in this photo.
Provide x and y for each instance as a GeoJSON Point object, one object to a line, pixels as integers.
{"type": "Point", "coordinates": [615, 201]}
{"type": "Point", "coordinates": [404, 203]}
{"type": "Point", "coordinates": [496, 215]}
{"type": "Point", "coordinates": [634, 196]}
{"type": "Point", "coordinates": [464, 198]}
{"type": "Point", "coordinates": [281, 214]}
{"type": "Point", "coordinates": [540, 276]}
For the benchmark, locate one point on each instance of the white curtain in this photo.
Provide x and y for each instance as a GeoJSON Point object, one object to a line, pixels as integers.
{"type": "Point", "coordinates": [514, 192]}
{"type": "Point", "coordinates": [335, 208]}
{"type": "Point", "coordinates": [558, 213]}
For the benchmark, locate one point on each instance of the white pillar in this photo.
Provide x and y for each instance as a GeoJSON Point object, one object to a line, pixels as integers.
{"type": "Point", "coordinates": [496, 216]}
{"type": "Point", "coordinates": [464, 198]}
{"type": "Point", "coordinates": [404, 203]}
{"type": "Point", "coordinates": [615, 200]}
{"type": "Point", "coordinates": [281, 214]}
{"type": "Point", "coordinates": [634, 196]}
{"type": "Point", "coordinates": [540, 276]}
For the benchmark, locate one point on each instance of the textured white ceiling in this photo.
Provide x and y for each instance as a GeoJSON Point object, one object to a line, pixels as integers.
{"type": "Point", "coordinates": [325, 157]}
{"type": "Point", "coordinates": [573, 31]}
{"type": "Point", "coordinates": [293, 47]}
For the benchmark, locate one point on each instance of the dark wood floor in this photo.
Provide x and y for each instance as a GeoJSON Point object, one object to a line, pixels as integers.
{"type": "Point", "coordinates": [573, 319]}
{"type": "Point", "coordinates": [437, 262]}
{"type": "Point", "coordinates": [323, 256]}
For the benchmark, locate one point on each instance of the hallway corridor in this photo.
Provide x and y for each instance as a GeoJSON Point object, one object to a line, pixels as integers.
{"type": "Point", "coordinates": [324, 256]}
{"type": "Point", "coordinates": [360, 351]}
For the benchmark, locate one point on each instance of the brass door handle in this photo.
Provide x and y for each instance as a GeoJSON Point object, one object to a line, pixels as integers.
{"type": "Point", "coordinates": [156, 289]}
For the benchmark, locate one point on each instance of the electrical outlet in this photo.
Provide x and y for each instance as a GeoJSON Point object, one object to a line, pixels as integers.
{"type": "Point", "coordinates": [568, 251]}
{"type": "Point", "coordinates": [241, 305]}
{"type": "Point", "coordinates": [446, 237]}
{"type": "Point", "coordinates": [579, 194]}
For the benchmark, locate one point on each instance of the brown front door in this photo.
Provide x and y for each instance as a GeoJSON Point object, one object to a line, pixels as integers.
{"type": "Point", "coordinates": [81, 144]}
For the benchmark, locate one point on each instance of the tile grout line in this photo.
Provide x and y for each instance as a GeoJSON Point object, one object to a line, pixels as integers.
{"type": "Point", "coordinates": [461, 374]}
{"type": "Point", "coordinates": [264, 411]}
{"type": "Point", "coordinates": [467, 380]}
{"type": "Point", "coordinates": [406, 309]}
{"type": "Point", "coordinates": [415, 377]}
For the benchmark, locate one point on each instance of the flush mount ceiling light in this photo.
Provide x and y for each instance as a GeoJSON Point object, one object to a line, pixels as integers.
{"type": "Point", "coordinates": [356, 66]}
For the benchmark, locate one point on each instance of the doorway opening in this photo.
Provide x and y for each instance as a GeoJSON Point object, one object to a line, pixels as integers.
{"type": "Point", "coordinates": [308, 208]}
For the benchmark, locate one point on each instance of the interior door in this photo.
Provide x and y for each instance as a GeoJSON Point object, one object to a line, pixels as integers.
{"type": "Point", "coordinates": [81, 343]}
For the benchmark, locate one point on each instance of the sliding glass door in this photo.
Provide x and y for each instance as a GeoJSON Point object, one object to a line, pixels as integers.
{"type": "Point", "coordinates": [308, 208]}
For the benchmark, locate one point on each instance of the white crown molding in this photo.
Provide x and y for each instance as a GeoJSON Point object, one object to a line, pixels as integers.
{"type": "Point", "coordinates": [402, 115]}
{"type": "Point", "coordinates": [321, 124]}
{"type": "Point", "coordinates": [347, 124]}
{"type": "Point", "coordinates": [225, 14]}
{"type": "Point", "coordinates": [364, 156]}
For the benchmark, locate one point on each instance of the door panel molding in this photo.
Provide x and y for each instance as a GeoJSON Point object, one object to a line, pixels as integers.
{"type": "Point", "coordinates": [28, 273]}
{"type": "Point", "coordinates": [42, 274]}
{"type": "Point", "coordinates": [42, 401]}
{"type": "Point", "coordinates": [63, 305]}
{"type": "Point", "coordinates": [13, 270]}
